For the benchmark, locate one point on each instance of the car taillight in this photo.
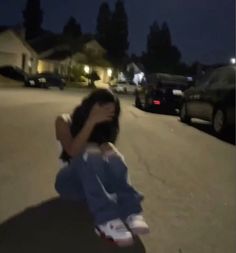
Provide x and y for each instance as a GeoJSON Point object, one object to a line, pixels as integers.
{"type": "Point", "coordinates": [156, 102]}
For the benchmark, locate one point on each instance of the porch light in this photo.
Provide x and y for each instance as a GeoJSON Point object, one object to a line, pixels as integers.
{"type": "Point", "coordinates": [109, 72]}
{"type": "Point", "coordinates": [86, 69]}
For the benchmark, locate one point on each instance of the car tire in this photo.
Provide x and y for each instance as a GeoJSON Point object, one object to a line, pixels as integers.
{"type": "Point", "coordinates": [146, 106]}
{"type": "Point", "coordinates": [184, 117]}
{"type": "Point", "coordinates": [219, 121]}
{"type": "Point", "coordinates": [138, 102]}
{"type": "Point", "coordinates": [44, 86]}
{"type": "Point", "coordinates": [61, 87]}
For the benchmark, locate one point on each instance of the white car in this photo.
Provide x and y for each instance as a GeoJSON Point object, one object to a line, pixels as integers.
{"type": "Point", "coordinates": [124, 87]}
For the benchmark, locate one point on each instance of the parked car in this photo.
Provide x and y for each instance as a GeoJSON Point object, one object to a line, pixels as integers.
{"type": "Point", "coordinates": [13, 72]}
{"type": "Point", "coordinates": [124, 87]}
{"type": "Point", "coordinates": [162, 93]}
{"type": "Point", "coordinates": [212, 99]}
{"type": "Point", "coordinates": [45, 80]}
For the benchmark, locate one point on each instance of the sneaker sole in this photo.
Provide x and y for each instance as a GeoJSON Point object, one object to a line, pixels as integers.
{"type": "Point", "coordinates": [140, 231]}
{"type": "Point", "coordinates": [120, 243]}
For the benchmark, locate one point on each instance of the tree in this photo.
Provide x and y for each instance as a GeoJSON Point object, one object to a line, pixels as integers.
{"type": "Point", "coordinates": [153, 39]}
{"type": "Point", "coordinates": [103, 25]}
{"type": "Point", "coordinates": [72, 29]}
{"type": "Point", "coordinates": [33, 18]}
{"type": "Point", "coordinates": [119, 44]}
{"type": "Point", "coordinates": [165, 37]}
{"type": "Point", "coordinates": [161, 54]}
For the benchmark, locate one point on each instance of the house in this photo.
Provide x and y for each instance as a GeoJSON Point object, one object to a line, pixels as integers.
{"type": "Point", "coordinates": [52, 53]}
{"type": "Point", "coordinates": [15, 51]}
{"type": "Point", "coordinates": [57, 55]}
{"type": "Point", "coordinates": [93, 56]}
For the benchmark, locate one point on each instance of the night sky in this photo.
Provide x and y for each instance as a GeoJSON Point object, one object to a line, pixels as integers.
{"type": "Point", "coordinates": [203, 30]}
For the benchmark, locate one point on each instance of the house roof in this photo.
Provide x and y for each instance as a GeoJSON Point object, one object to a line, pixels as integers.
{"type": "Point", "coordinates": [45, 42]}
{"type": "Point", "coordinates": [58, 55]}
{"type": "Point", "coordinates": [18, 37]}
{"type": "Point", "coordinates": [82, 58]}
{"type": "Point", "coordinates": [94, 43]}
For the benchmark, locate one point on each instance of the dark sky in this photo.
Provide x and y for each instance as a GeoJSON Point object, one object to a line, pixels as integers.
{"type": "Point", "coordinates": [203, 30]}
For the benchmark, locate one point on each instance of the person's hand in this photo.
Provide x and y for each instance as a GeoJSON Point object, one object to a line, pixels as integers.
{"type": "Point", "coordinates": [101, 113]}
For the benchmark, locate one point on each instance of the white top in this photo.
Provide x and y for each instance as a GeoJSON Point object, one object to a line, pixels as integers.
{"type": "Point", "coordinates": [67, 118]}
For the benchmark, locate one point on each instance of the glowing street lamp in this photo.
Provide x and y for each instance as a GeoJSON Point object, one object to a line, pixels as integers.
{"type": "Point", "coordinates": [109, 72]}
{"type": "Point", "coordinates": [233, 60]}
{"type": "Point", "coordinates": [86, 69]}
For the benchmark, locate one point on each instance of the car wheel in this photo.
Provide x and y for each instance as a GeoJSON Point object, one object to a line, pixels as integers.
{"type": "Point", "coordinates": [219, 121]}
{"type": "Point", "coordinates": [61, 87]}
{"type": "Point", "coordinates": [146, 106]}
{"type": "Point", "coordinates": [44, 86]}
{"type": "Point", "coordinates": [138, 102]}
{"type": "Point", "coordinates": [184, 117]}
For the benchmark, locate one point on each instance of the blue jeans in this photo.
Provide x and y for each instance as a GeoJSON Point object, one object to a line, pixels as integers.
{"type": "Point", "coordinates": [102, 183]}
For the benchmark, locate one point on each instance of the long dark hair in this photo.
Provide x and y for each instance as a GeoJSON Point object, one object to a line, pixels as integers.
{"type": "Point", "coordinates": [103, 132]}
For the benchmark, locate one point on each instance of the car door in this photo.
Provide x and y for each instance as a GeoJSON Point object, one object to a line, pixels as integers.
{"type": "Point", "coordinates": [195, 95]}
{"type": "Point", "coordinates": [212, 93]}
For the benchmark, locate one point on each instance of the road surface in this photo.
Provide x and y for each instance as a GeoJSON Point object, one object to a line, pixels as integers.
{"type": "Point", "coordinates": [186, 174]}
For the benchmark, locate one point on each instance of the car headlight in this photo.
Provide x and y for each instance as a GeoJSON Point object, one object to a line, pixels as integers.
{"type": "Point", "coordinates": [31, 82]}
{"type": "Point", "coordinates": [42, 80]}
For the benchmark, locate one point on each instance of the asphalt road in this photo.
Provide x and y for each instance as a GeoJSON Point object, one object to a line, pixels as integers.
{"type": "Point", "coordinates": [186, 174]}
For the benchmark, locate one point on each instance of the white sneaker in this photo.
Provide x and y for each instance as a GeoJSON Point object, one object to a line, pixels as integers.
{"type": "Point", "coordinates": [137, 224]}
{"type": "Point", "coordinates": [115, 231]}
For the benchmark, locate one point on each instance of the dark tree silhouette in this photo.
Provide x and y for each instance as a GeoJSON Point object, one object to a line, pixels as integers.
{"type": "Point", "coordinates": [72, 29]}
{"type": "Point", "coordinates": [165, 37]}
{"type": "Point", "coordinates": [119, 32]}
{"type": "Point", "coordinates": [33, 18]}
{"type": "Point", "coordinates": [104, 25]}
{"type": "Point", "coordinates": [161, 54]}
{"type": "Point", "coordinates": [153, 39]}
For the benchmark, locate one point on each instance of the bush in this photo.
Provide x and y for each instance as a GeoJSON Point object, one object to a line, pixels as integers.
{"type": "Point", "coordinates": [76, 73]}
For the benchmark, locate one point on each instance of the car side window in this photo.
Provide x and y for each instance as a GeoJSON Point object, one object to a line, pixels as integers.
{"type": "Point", "coordinates": [214, 78]}
{"type": "Point", "coordinates": [230, 78]}
{"type": "Point", "coordinates": [225, 77]}
{"type": "Point", "coordinates": [203, 82]}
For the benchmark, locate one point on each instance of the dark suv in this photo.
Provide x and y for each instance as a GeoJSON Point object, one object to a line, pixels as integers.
{"type": "Point", "coordinates": [162, 93]}
{"type": "Point", "coordinates": [45, 80]}
{"type": "Point", "coordinates": [212, 99]}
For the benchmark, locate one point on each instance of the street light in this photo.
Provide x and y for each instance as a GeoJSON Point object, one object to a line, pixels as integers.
{"type": "Point", "coordinates": [233, 60]}
{"type": "Point", "coordinates": [86, 69]}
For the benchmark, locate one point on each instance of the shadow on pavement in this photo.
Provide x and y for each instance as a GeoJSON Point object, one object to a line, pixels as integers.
{"type": "Point", "coordinates": [160, 112]}
{"type": "Point", "coordinates": [206, 127]}
{"type": "Point", "coordinates": [56, 226]}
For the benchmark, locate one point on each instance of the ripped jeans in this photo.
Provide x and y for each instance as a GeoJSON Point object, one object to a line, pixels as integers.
{"type": "Point", "coordinates": [102, 182]}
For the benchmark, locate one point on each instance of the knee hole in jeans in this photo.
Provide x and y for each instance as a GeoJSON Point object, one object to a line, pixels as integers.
{"type": "Point", "coordinates": [111, 153]}
{"type": "Point", "coordinates": [91, 151]}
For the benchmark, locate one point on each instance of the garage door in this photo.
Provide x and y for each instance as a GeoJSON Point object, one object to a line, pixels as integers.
{"type": "Point", "coordinates": [8, 59]}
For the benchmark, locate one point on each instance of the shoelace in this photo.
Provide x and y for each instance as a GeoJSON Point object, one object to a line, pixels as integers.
{"type": "Point", "coordinates": [118, 226]}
